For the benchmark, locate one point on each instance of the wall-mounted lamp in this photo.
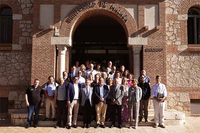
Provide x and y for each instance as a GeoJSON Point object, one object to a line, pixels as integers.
{"type": "Point", "coordinates": [40, 27]}
{"type": "Point", "coordinates": [57, 33]}
{"type": "Point", "coordinates": [51, 27]}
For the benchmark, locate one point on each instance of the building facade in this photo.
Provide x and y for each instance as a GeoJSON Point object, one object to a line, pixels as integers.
{"type": "Point", "coordinates": [39, 38]}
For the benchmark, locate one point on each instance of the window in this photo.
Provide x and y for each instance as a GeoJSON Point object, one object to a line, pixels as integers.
{"type": "Point", "coordinates": [6, 25]}
{"type": "Point", "coordinates": [194, 25]}
{"type": "Point", "coordinates": [195, 106]}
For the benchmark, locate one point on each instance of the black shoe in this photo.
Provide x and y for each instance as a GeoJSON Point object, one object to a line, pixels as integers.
{"type": "Point", "coordinates": [97, 126]}
{"type": "Point", "coordinates": [27, 126]}
{"type": "Point", "coordinates": [46, 119]}
{"type": "Point", "coordinates": [63, 126]}
{"type": "Point", "coordinates": [140, 121]}
{"type": "Point", "coordinates": [56, 126]}
{"type": "Point", "coordinates": [54, 119]}
{"type": "Point", "coordinates": [84, 126]}
{"type": "Point", "coordinates": [88, 125]}
{"type": "Point", "coordinates": [75, 126]}
{"type": "Point", "coordinates": [120, 126]}
{"type": "Point", "coordinates": [68, 127]}
{"type": "Point", "coordinates": [112, 126]}
{"type": "Point", "coordinates": [35, 125]}
{"type": "Point", "coordinates": [103, 126]}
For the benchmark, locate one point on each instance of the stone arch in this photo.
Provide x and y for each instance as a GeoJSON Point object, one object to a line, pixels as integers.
{"type": "Point", "coordinates": [16, 9]}
{"type": "Point", "coordinates": [82, 12]}
{"type": "Point", "coordinates": [185, 6]}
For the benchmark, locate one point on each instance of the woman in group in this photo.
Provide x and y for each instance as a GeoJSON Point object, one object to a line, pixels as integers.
{"type": "Point", "coordinates": [134, 97]}
{"type": "Point", "coordinates": [118, 76]}
{"type": "Point", "coordinates": [83, 69]}
{"type": "Point", "coordinates": [98, 70]}
{"type": "Point", "coordinates": [125, 75]}
{"type": "Point", "coordinates": [130, 78]}
{"type": "Point", "coordinates": [125, 113]}
{"type": "Point", "coordinates": [90, 77]}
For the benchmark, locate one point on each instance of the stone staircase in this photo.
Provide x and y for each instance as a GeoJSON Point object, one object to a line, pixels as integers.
{"type": "Point", "coordinates": [19, 118]}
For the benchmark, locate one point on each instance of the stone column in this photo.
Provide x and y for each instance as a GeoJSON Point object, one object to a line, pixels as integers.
{"type": "Point", "coordinates": [136, 61]}
{"type": "Point", "coordinates": [61, 55]}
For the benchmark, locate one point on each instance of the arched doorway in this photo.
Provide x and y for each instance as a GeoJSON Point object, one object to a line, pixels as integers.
{"type": "Point", "coordinates": [99, 39]}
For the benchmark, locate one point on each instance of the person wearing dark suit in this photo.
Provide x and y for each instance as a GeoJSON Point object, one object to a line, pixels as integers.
{"type": "Point", "coordinates": [116, 94]}
{"type": "Point", "coordinates": [101, 93]}
{"type": "Point", "coordinates": [86, 102]}
{"type": "Point", "coordinates": [73, 100]}
{"type": "Point", "coordinates": [72, 74]}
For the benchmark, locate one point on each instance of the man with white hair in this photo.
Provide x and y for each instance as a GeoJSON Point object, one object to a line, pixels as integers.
{"type": "Point", "coordinates": [147, 79]}
{"type": "Point", "coordinates": [91, 70]}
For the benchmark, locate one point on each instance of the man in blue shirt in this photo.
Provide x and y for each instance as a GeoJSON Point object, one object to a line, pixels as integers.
{"type": "Point", "coordinates": [147, 79]}
{"type": "Point", "coordinates": [49, 91]}
{"type": "Point", "coordinates": [159, 94]}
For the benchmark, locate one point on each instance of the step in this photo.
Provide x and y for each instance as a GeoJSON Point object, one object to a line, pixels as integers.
{"type": "Point", "coordinates": [172, 117]}
{"type": "Point", "coordinates": [93, 124]}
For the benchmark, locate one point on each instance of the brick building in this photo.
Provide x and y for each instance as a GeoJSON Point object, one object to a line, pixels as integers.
{"type": "Point", "coordinates": [39, 38]}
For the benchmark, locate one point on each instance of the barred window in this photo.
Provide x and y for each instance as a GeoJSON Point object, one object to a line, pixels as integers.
{"type": "Point", "coordinates": [193, 25]}
{"type": "Point", "coordinates": [6, 25]}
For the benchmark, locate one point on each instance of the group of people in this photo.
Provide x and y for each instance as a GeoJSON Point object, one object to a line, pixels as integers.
{"type": "Point", "coordinates": [99, 96]}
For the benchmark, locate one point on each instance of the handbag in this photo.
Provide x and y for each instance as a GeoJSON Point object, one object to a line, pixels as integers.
{"type": "Point", "coordinates": [159, 96]}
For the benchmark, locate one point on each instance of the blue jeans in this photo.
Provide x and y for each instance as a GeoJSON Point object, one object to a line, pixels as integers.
{"type": "Point", "coordinates": [31, 109]}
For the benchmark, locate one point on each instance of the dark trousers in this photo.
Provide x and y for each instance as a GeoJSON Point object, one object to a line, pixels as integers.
{"type": "Point", "coordinates": [87, 112]}
{"type": "Point", "coordinates": [144, 107]}
{"type": "Point", "coordinates": [113, 113]}
{"type": "Point", "coordinates": [31, 109]}
{"type": "Point", "coordinates": [61, 110]}
{"type": "Point", "coordinates": [94, 114]}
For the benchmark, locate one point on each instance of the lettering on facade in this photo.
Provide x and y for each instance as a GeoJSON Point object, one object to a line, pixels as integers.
{"type": "Point", "coordinates": [153, 49]}
{"type": "Point", "coordinates": [113, 8]}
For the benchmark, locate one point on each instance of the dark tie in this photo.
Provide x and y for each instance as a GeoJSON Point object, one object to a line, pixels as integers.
{"type": "Point", "coordinates": [87, 93]}
{"type": "Point", "coordinates": [116, 87]}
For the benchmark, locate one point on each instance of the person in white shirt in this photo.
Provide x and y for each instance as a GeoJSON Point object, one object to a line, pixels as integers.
{"type": "Point", "coordinates": [109, 65]}
{"type": "Point", "coordinates": [91, 70]}
{"type": "Point", "coordinates": [81, 80]}
{"type": "Point", "coordinates": [77, 67]}
{"type": "Point", "coordinates": [159, 94]}
{"type": "Point", "coordinates": [112, 72]}
{"type": "Point", "coordinates": [117, 76]}
{"type": "Point", "coordinates": [73, 100]}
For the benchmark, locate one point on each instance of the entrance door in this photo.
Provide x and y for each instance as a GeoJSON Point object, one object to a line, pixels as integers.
{"type": "Point", "coordinates": [99, 39]}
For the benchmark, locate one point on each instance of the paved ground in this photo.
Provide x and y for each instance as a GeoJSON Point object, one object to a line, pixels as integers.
{"type": "Point", "coordinates": [192, 125]}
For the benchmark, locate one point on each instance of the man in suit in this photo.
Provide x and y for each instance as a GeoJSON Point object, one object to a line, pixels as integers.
{"type": "Point", "coordinates": [72, 74]}
{"type": "Point", "coordinates": [73, 99]}
{"type": "Point", "coordinates": [86, 102]}
{"type": "Point", "coordinates": [101, 93]}
{"type": "Point", "coordinates": [116, 94]}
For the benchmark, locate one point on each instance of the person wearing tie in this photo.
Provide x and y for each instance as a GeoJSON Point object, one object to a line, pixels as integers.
{"type": "Point", "coordinates": [116, 94]}
{"type": "Point", "coordinates": [86, 102]}
{"type": "Point", "coordinates": [101, 93]}
{"type": "Point", "coordinates": [73, 100]}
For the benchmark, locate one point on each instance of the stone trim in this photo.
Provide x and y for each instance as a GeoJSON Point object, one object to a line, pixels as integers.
{"type": "Point", "coordinates": [137, 41]}
{"type": "Point", "coordinates": [194, 95]}
{"type": "Point", "coordinates": [17, 17]}
{"type": "Point", "coordinates": [61, 41]}
{"type": "Point", "coordinates": [183, 17]}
